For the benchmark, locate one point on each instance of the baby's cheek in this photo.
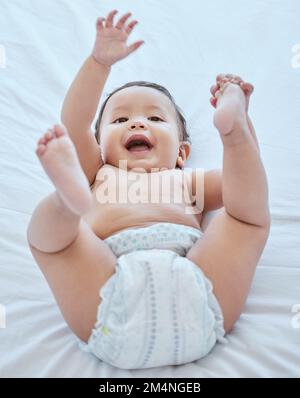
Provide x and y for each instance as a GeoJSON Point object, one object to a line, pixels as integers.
{"type": "Point", "coordinates": [106, 144]}
{"type": "Point", "coordinates": [113, 152]}
{"type": "Point", "coordinates": [168, 140]}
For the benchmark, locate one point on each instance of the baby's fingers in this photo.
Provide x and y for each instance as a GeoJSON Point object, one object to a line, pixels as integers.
{"type": "Point", "coordinates": [110, 18]}
{"type": "Point", "coordinates": [99, 23]}
{"type": "Point", "coordinates": [130, 27]}
{"type": "Point", "coordinates": [134, 46]}
{"type": "Point", "coordinates": [121, 23]}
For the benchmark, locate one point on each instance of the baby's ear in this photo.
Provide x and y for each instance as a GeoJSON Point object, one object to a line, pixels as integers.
{"type": "Point", "coordinates": [183, 153]}
{"type": "Point", "coordinates": [184, 150]}
{"type": "Point", "coordinates": [180, 162]}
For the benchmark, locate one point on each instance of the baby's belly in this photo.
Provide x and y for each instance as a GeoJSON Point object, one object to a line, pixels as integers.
{"type": "Point", "coordinates": [108, 219]}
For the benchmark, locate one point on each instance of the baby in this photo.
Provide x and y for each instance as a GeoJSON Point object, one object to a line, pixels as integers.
{"type": "Point", "coordinates": [146, 283]}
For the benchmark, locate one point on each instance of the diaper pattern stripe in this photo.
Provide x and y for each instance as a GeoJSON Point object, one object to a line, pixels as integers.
{"type": "Point", "coordinates": [153, 329]}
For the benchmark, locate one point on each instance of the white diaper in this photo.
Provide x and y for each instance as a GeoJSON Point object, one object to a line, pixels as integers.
{"type": "Point", "coordinates": [158, 308]}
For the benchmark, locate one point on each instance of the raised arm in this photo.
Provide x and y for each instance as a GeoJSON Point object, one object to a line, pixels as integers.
{"type": "Point", "coordinates": [82, 99]}
{"type": "Point", "coordinates": [79, 110]}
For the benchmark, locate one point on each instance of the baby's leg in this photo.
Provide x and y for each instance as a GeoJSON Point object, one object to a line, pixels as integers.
{"type": "Point", "coordinates": [245, 190]}
{"type": "Point", "coordinates": [75, 262]}
{"type": "Point", "coordinates": [234, 240]}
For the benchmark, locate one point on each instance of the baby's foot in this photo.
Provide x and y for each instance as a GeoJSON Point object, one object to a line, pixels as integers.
{"type": "Point", "coordinates": [58, 156]}
{"type": "Point", "coordinates": [231, 99]}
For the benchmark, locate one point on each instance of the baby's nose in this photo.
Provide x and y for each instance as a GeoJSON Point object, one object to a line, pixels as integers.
{"type": "Point", "coordinates": [137, 125]}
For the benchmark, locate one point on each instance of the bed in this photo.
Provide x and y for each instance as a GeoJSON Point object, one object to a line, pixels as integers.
{"type": "Point", "coordinates": [43, 43]}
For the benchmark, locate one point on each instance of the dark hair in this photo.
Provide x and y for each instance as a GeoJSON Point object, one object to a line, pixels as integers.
{"type": "Point", "coordinates": [184, 136]}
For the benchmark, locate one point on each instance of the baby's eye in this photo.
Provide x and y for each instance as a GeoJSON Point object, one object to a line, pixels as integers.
{"type": "Point", "coordinates": [155, 117]}
{"type": "Point", "coordinates": [151, 117]}
{"type": "Point", "coordinates": [119, 119]}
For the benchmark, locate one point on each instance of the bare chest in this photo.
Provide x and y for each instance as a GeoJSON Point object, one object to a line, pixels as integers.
{"type": "Point", "coordinates": [117, 186]}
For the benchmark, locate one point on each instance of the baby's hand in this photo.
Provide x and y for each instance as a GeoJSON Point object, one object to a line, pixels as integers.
{"type": "Point", "coordinates": [110, 45]}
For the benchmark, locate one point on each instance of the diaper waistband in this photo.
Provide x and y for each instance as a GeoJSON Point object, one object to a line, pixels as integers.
{"type": "Point", "coordinates": [169, 236]}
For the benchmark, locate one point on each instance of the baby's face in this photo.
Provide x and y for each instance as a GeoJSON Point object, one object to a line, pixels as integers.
{"type": "Point", "coordinates": [140, 111]}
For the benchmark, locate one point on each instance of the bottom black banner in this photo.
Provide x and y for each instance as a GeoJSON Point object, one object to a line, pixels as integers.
{"type": "Point", "coordinates": [134, 387]}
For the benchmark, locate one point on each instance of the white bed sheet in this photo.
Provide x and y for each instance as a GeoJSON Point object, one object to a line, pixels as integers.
{"type": "Point", "coordinates": [187, 44]}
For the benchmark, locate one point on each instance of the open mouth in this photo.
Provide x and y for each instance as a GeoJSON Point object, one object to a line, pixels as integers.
{"type": "Point", "coordinates": [138, 144]}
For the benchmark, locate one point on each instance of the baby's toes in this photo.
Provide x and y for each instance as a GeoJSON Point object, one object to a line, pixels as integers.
{"type": "Point", "coordinates": [214, 89]}
{"type": "Point", "coordinates": [238, 79]}
{"type": "Point", "coordinates": [41, 149]}
{"type": "Point", "coordinates": [247, 88]}
{"type": "Point", "coordinates": [234, 78]}
{"type": "Point", "coordinates": [60, 130]}
{"type": "Point", "coordinates": [213, 101]}
{"type": "Point", "coordinates": [220, 77]}
{"type": "Point", "coordinates": [42, 141]}
{"type": "Point", "coordinates": [229, 76]}
{"type": "Point", "coordinates": [222, 85]}
{"type": "Point", "coordinates": [49, 135]}
{"type": "Point", "coordinates": [222, 82]}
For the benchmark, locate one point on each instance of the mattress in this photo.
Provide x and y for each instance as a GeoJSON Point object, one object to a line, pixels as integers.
{"type": "Point", "coordinates": [42, 45]}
